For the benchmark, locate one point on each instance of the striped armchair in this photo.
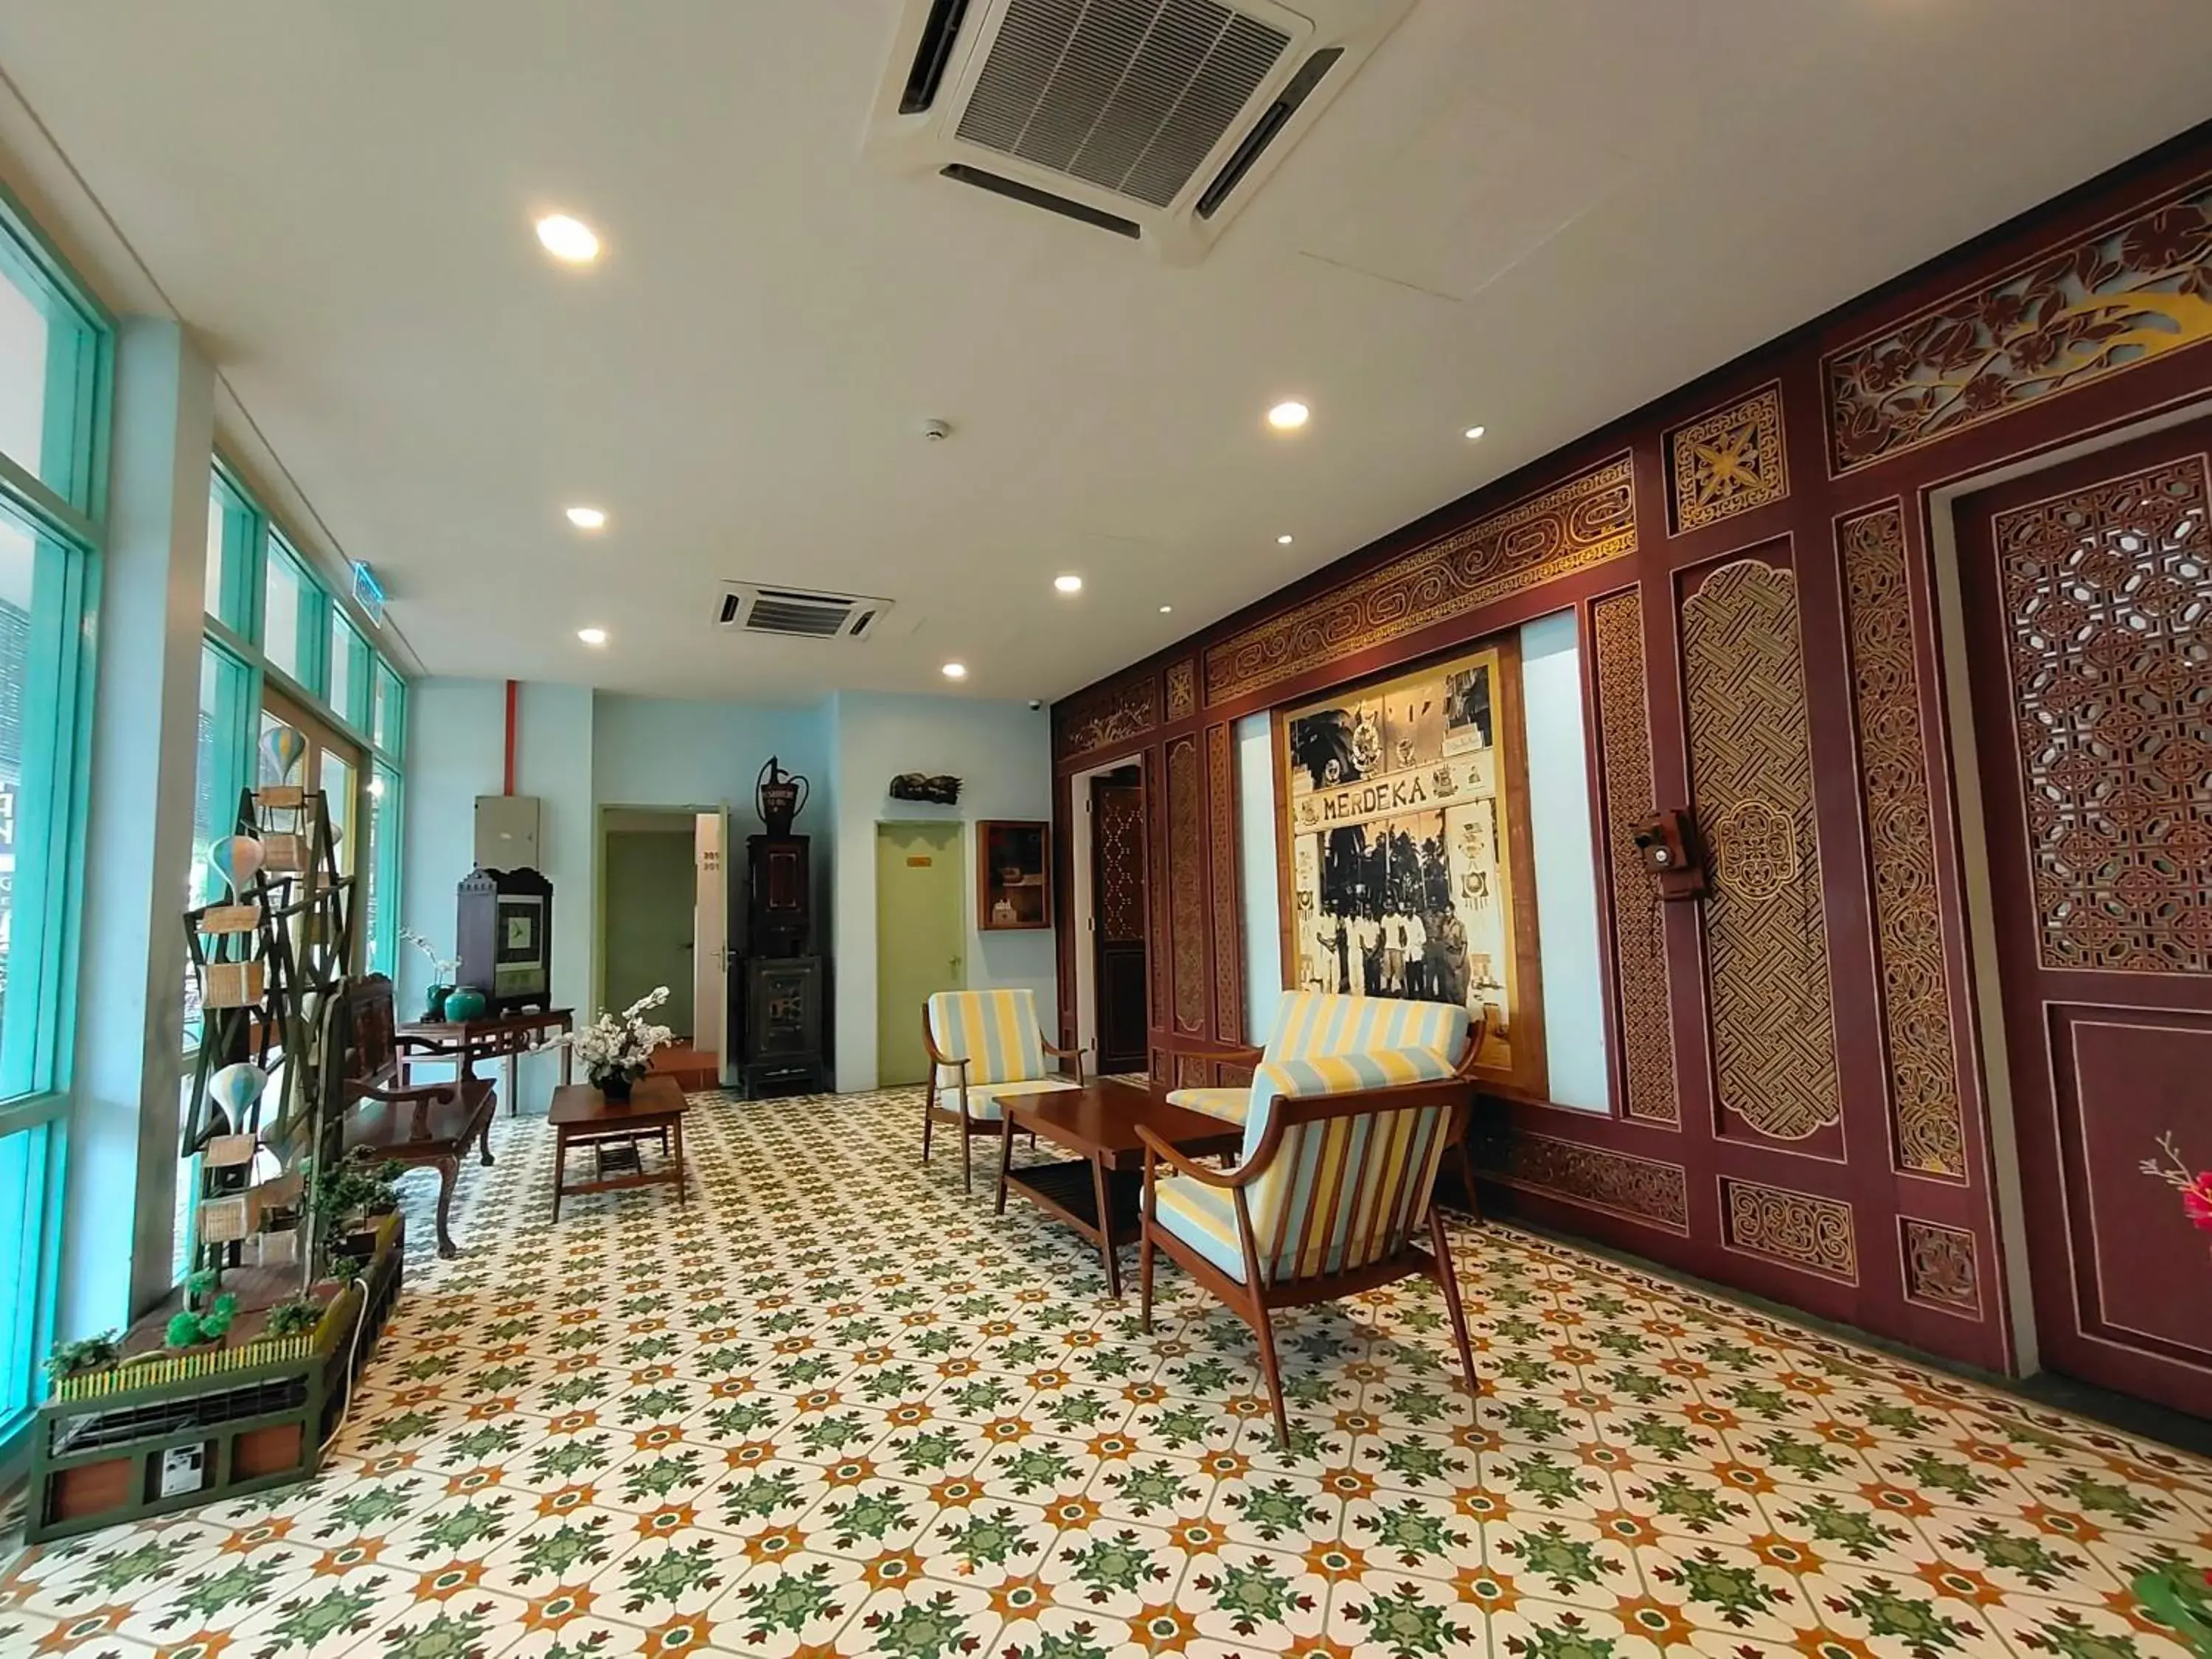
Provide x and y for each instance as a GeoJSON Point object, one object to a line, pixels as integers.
{"type": "Point", "coordinates": [983, 1047]}
{"type": "Point", "coordinates": [1319, 1024]}
{"type": "Point", "coordinates": [1333, 1184]}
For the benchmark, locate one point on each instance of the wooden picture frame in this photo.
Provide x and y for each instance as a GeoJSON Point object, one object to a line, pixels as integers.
{"type": "Point", "coordinates": [1492, 768]}
{"type": "Point", "coordinates": [1013, 875]}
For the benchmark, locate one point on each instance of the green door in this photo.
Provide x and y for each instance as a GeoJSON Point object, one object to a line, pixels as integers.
{"type": "Point", "coordinates": [922, 938]}
{"type": "Point", "coordinates": [651, 887]}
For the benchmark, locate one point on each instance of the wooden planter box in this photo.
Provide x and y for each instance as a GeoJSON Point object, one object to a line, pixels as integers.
{"type": "Point", "coordinates": [175, 1432]}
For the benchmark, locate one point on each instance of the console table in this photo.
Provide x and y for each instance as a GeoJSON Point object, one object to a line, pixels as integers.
{"type": "Point", "coordinates": [463, 1043]}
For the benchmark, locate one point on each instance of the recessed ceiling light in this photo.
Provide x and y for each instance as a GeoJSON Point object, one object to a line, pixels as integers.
{"type": "Point", "coordinates": [1069, 584]}
{"type": "Point", "coordinates": [587, 518]}
{"type": "Point", "coordinates": [956, 670]}
{"type": "Point", "coordinates": [1473, 433]}
{"type": "Point", "coordinates": [1288, 416]}
{"type": "Point", "coordinates": [569, 240]}
{"type": "Point", "coordinates": [593, 636]}
{"type": "Point", "coordinates": [1282, 541]}
{"type": "Point", "coordinates": [1166, 608]}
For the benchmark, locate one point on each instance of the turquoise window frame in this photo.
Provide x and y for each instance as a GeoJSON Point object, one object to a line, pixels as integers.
{"type": "Point", "coordinates": [342, 636]}
{"type": "Point", "coordinates": [62, 507]}
{"type": "Point", "coordinates": [245, 537]}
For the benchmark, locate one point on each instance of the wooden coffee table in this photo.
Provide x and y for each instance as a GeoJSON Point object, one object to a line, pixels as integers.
{"type": "Point", "coordinates": [581, 1116]}
{"type": "Point", "coordinates": [1100, 1191]}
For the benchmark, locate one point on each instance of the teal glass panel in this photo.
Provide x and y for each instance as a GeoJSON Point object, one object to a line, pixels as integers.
{"type": "Point", "coordinates": [23, 1234]}
{"type": "Point", "coordinates": [52, 370]}
{"type": "Point", "coordinates": [233, 553]}
{"type": "Point", "coordinates": [379, 910]}
{"type": "Point", "coordinates": [283, 600]}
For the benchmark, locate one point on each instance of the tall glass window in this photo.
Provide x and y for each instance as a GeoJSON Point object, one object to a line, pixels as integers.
{"type": "Point", "coordinates": [54, 346]}
{"type": "Point", "coordinates": [281, 605]}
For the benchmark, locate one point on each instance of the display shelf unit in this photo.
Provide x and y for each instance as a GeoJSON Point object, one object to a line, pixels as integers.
{"type": "Point", "coordinates": [1013, 875]}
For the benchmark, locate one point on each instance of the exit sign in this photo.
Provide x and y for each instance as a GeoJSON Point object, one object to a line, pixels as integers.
{"type": "Point", "coordinates": [367, 592]}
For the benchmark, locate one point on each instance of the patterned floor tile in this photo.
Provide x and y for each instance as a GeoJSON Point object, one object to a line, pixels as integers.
{"type": "Point", "coordinates": [834, 1404]}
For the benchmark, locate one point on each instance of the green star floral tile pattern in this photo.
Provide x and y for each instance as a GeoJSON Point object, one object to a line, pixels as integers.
{"type": "Point", "coordinates": [835, 1405]}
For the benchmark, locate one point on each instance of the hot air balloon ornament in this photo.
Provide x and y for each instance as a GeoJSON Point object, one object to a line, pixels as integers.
{"type": "Point", "coordinates": [282, 748]}
{"type": "Point", "coordinates": [237, 860]}
{"type": "Point", "coordinates": [233, 1092]}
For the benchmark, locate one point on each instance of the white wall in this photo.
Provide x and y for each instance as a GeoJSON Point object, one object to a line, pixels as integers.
{"type": "Point", "coordinates": [1263, 909]}
{"type": "Point", "coordinates": [662, 751]}
{"type": "Point", "coordinates": [1566, 856]}
{"type": "Point", "coordinates": [1565, 847]}
{"type": "Point", "coordinates": [1002, 753]}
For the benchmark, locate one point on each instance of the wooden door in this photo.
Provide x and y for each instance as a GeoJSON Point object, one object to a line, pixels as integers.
{"type": "Point", "coordinates": [1118, 913]}
{"type": "Point", "coordinates": [2087, 592]}
{"type": "Point", "coordinates": [646, 936]}
{"type": "Point", "coordinates": [922, 938]}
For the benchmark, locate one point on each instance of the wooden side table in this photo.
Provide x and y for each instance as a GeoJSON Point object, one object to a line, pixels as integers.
{"type": "Point", "coordinates": [582, 1116]}
{"type": "Point", "coordinates": [495, 1036]}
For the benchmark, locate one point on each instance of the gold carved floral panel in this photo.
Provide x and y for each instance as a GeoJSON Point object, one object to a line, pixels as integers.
{"type": "Point", "coordinates": [1750, 787]}
{"type": "Point", "coordinates": [2107, 596]}
{"type": "Point", "coordinates": [1801, 1229]}
{"type": "Point", "coordinates": [1583, 522]}
{"type": "Point", "coordinates": [1639, 938]}
{"type": "Point", "coordinates": [1728, 462]}
{"type": "Point", "coordinates": [1642, 1188]}
{"type": "Point", "coordinates": [2123, 296]}
{"type": "Point", "coordinates": [1893, 773]}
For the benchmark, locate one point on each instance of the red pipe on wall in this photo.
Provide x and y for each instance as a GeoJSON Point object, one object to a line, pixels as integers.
{"type": "Point", "coordinates": [511, 704]}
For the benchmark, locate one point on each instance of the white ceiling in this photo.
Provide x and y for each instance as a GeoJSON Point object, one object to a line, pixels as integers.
{"type": "Point", "coordinates": [1533, 214]}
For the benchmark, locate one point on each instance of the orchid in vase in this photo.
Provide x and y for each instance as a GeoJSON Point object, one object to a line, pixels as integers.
{"type": "Point", "coordinates": [617, 1049]}
{"type": "Point", "coordinates": [442, 970]}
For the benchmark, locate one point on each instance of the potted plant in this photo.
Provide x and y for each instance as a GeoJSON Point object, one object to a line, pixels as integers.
{"type": "Point", "coordinates": [442, 970]}
{"type": "Point", "coordinates": [292, 1317]}
{"type": "Point", "coordinates": [83, 1354]}
{"type": "Point", "coordinates": [346, 1197]}
{"type": "Point", "coordinates": [194, 1326]}
{"type": "Point", "coordinates": [617, 1049]}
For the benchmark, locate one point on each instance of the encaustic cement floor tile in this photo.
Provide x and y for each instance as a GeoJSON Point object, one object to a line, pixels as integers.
{"type": "Point", "coordinates": [835, 1405]}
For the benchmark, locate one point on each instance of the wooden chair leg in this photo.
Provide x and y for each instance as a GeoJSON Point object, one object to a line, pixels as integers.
{"type": "Point", "coordinates": [1448, 1281]}
{"type": "Point", "coordinates": [928, 1112]}
{"type": "Point", "coordinates": [967, 1147]}
{"type": "Point", "coordinates": [1006, 1159]}
{"type": "Point", "coordinates": [485, 1146]}
{"type": "Point", "coordinates": [1466, 1180]}
{"type": "Point", "coordinates": [1144, 1270]}
{"type": "Point", "coordinates": [1263, 1327]}
{"type": "Point", "coordinates": [449, 1171]}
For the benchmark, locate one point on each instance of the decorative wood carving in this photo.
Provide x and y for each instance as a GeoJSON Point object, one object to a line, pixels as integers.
{"type": "Point", "coordinates": [1916, 1000]}
{"type": "Point", "coordinates": [1728, 462]}
{"type": "Point", "coordinates": [1183, 689]}
{"type": "Point", "coordinates": [2108, 605]}
{"type": "Point", "coordinates": [1228, 911]}
{"type": "Point", "coordinates": [2122, 296]}
{"type": "Point", "coordinates": [1108, 714]}
{"type": "Point", "coordinates": [1191, 1071]}
{"type": "Point", "coordinates": [1751, 774]}
{"type": "Point", "coordinates": [1118, 851]}
{"type": "Point", "coordinates": [1799, 1228]}
{"type": "Point", "coordinates": [1187, 929]}
{"type": "Point", "coordinates": [1939, 1267]}
{"type": "Point", "coordinates": [1639, 942]}
{"type": "Point", "coordinates": [1583, 522]}
{"type": "Point", "coordinates": [1641, 1188]}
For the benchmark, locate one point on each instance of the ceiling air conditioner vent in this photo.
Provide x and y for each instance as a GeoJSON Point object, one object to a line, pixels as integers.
{"type": "Point", "coordinates": [1152, 119]}
{"type": "Point", "coordinates": [798, 613]}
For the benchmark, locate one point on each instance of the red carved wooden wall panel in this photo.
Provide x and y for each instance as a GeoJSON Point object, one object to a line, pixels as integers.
{"type": "Point", "coordinates": [1796, 1099]}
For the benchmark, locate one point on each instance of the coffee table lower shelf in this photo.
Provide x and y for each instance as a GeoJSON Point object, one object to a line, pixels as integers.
{"type": "Point", "coordinates": [1070, 1190]}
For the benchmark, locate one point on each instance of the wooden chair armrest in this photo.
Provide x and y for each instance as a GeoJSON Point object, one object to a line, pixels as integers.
{"type": "Point", "coordinates": [937, 1054]}
{"type": "Point", "coordinates": [1183, 1165]}
{"type": "Point", "coordinates": [1074, 1053]}
{"type": "Point", "coordinates": [1238, 1054]}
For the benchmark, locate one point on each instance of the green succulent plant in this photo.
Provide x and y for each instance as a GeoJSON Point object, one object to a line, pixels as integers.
{"type": "Point", "coordinates": [84, 1353]}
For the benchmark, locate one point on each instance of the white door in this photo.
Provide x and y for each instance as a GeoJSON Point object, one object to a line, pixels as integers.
{"type": "Point", "coordinates": [709, 933]}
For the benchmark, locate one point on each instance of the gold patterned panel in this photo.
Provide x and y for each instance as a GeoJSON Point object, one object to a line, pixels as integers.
{"type": "Point", "coordinates": [1183, 689]}
{"type": "Point", "coordinates": [2122, 296]}
{"type": "Point", "coordinates": [1228, 913]}
{"type": "Point", "coordinates": [1639, 931]}
{"type": "Point", "coordinates": [1908, 933]}
{"type": "Point", "coordinates": [1939, 1267]}
{"type": "Point", "coordinates": [1583, 522]}
{"type": "Point", "coordinates": [1108, 715]}
{"type": "Point", "coordinates": [1185, 884]}
{"type": "Point", "coordinates": [1751, 783]}
{"type": "Point", "coordinates": [1801, 1229]}
{"type": "Point", "coordinates": [1641, 1188]}
{"type": "Point", "coordinates": [2107, 596]}
{"type": "Point", "coordinates": [1729, 462]}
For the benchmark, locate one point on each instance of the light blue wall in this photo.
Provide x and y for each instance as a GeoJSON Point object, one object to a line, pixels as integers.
{"type": "Point", "coordinates": [1565, 841]}
{"type": "Point", "coordinates": [660, 752]}
{"type": "Point", "coordinates": [1002, 753]}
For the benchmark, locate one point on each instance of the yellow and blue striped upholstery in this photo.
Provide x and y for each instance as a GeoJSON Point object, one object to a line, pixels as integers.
{"type": "Point", "coordinates": [1364, 1155]}
{"type": "Point", "coordinates": [1319, 1024]}
{"type": "Point", "coordinates": [1316, 1024]}
{"type": "Point", "coordinates": [994, 1031]}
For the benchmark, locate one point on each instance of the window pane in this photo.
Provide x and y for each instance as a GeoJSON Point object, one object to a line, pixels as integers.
{"type": "Point", "coordinates": [377, 919]}
{"type": "Point", "coordinates": [216, 524]}
{"type": "Point", "coordinates": [382, 716]}
{"type": "Point", "coordinates": [280, 615]}
{"type": "Point", "coordinates": [22, 1241]}
{"type": "Point", "coordinates": [35, 589]}
{"type": "Point", "coordinates": [344, 643]}
{"type": "Point", "coordinates": [42, 340]}
{"type": "Point", "coordinates": [336, 779]}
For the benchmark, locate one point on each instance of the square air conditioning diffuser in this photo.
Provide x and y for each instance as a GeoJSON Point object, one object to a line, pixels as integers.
{"type": "Point", "coordinates": [798, 613]}
{"type": "Point", "coordinates": [1154, 119]}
